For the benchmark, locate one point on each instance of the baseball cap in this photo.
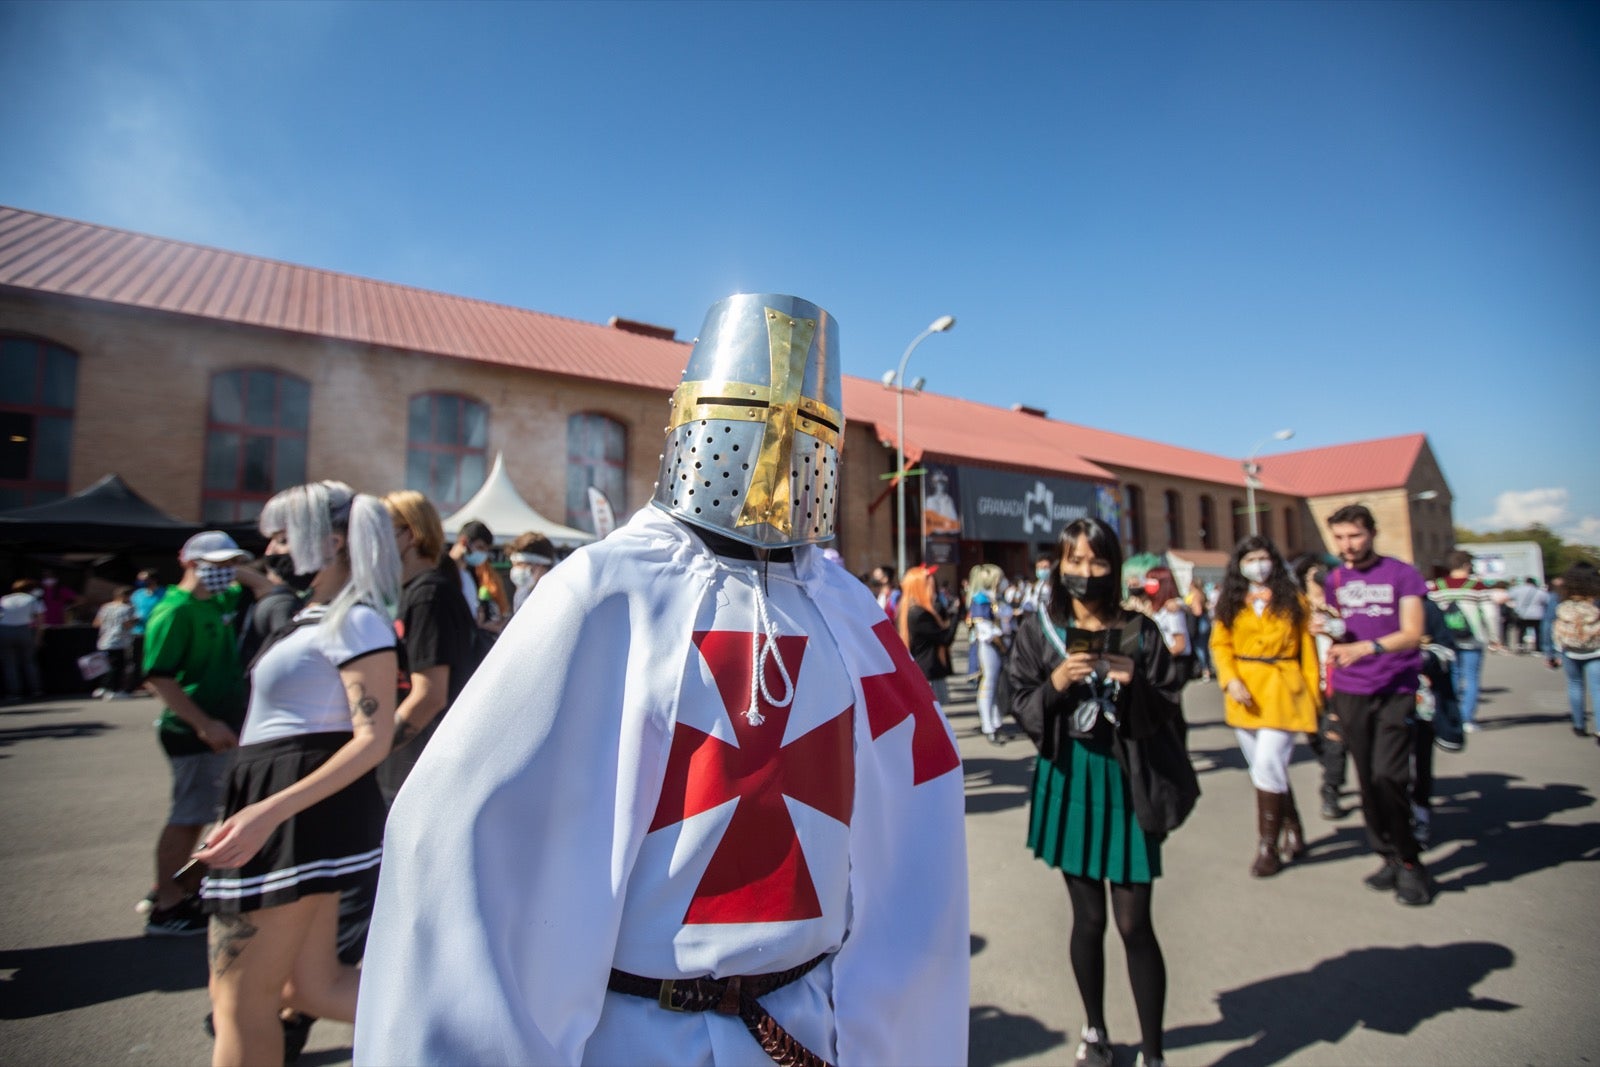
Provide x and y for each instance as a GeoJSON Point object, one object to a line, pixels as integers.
{"type": "Point", "coordinates": [212, 546]}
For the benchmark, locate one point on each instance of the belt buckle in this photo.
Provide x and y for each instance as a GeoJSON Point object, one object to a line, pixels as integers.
{"type": "Point", "coordinates": [665, 997]}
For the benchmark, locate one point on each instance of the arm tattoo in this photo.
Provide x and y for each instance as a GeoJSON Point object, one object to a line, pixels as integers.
{"type": "Point", "coordinates": [363, 703]}
{"type": "Point", "coordinates": [403, 732]}
{"type": "Point", "coordinates": [230, 936]}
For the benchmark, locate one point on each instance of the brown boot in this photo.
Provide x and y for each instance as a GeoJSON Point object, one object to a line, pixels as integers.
{"type": "Point", "coordinates": [1269, 822]}
{"type": "Point", "coordinates": [1294, 837]}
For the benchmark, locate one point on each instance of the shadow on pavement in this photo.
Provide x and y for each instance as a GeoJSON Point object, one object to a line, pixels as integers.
{"type": "Point", "coordinates": [1227, 758]}
{"type": "Point", "coordinates": [1391, 990]}
{"type": "Point", "coordinates": [997, 1036]}
{"type": "Point", "coordinates": [57, 978]}
{"type": "Point", "coordinates": [1509, 722]}
{"type": "Point", "coordinates": [1007, 783]}
{"type": "Point", "coordinates": [57, 731]}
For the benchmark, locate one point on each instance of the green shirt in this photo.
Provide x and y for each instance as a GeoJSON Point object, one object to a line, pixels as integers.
{"type": "Point", "coordinates": [190, 641]}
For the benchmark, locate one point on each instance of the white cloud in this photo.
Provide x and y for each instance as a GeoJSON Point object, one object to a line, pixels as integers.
{"type": "Point", "coordinates": [1515, 509]}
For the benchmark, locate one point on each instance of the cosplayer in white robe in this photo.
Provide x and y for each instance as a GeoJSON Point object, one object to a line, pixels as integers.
{"type": "Point", "coordinates": [612, 791]}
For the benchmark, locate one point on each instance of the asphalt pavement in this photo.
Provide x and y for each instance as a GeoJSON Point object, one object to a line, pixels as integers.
{"type": "Point", "coordinates": [1309, 967]}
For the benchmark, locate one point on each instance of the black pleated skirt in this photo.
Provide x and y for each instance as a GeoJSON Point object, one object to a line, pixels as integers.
{"type": "Point", "coordinates": [324, 849]}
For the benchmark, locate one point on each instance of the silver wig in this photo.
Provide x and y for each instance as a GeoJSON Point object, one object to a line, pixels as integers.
{"type": "Point", "coordinates": [309, 515]}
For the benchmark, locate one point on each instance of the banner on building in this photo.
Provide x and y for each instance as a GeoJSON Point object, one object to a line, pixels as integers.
{"type": "Point", "coordinates": [941, 514]}
{"type": "Point", "coordinates": [1028, 508]}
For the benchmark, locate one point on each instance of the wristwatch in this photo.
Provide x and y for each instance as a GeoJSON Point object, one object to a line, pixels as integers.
{"type": "Point", "coordinates": [1377, 648]}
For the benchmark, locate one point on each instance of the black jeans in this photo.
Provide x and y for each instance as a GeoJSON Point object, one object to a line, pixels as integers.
{"type": "Point", "coordinates": [1378, 734]}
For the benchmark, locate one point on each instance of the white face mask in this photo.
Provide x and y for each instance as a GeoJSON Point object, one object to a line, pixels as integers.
{"type": "Point", "coordinates": [521, 576]}
{"type": "Point", "coordinates": [215, 576]}
{"type": "Point", "coordinates": [1257, 570]}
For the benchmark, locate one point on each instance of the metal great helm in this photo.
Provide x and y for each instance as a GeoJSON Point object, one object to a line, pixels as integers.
{"type": "Point", "coordinates": [753, 442]}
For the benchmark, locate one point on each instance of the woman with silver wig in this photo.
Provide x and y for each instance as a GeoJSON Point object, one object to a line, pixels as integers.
{"type": "Point", "coordinates": [302, 816]}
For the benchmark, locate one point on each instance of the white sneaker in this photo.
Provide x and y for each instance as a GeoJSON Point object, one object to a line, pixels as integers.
{"type": "Point", "coordinates": [100, 694]}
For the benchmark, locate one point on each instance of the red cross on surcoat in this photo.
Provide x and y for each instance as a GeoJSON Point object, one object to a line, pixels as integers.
{"type": "Point", "coordinates": [758, 872]}
{"type": "Point", "coordinates": [893, 696]}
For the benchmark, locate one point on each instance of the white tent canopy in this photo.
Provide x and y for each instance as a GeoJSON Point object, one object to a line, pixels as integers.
{"type": "Point", "coordinates": [500, 507]}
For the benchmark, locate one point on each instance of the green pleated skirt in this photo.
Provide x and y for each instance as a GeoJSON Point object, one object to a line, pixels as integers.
{"type": "Point", "coordinates": [1082, 818]}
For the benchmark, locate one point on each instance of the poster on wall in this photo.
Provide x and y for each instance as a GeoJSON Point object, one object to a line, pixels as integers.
{"type": "Point", "coordinates": [941, 514]}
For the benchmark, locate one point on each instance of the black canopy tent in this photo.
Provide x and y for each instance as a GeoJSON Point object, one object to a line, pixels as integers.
{"type": "Point", "coordinates": [102, 534]}
{"type": "Point", "coordinates": [108, 517]}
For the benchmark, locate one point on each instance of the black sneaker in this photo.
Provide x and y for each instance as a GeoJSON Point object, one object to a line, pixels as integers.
{"type": "Point", "coordinates": [1413, 886]}
{"type": "Point", "coordinates": [1093, 1050]}
{"type": "Point", "coordinates": [1385, 878]}
{"type": "Point", "coordinates": [1331, 809]}
{"type": "Point", "coordinates": [296, 1029]}
{"type": "Point", "coordinates": [183, 919]}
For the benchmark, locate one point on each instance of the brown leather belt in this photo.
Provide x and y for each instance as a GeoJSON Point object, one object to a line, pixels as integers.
{"type": "Point", "coordinates": [737, 995]}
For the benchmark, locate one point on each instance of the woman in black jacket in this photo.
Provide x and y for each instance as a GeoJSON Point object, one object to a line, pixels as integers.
{"type": "Point", "coordinates": [1093, 685]}
{"type": "Point", "coordinates": [926, 632]}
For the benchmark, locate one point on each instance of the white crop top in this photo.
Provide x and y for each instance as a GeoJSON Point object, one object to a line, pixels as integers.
{"type": "Point", "coordinates": [295, 686]}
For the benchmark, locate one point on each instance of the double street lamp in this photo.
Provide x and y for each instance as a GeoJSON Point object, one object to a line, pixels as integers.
{"type": "Point", "coordinates": [896, 380]}
{"type": "Point", "coordinates": [1252, 482]}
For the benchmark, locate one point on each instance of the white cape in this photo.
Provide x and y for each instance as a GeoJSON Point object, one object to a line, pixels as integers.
{"type": "Point", "coordinates": [520, 864]}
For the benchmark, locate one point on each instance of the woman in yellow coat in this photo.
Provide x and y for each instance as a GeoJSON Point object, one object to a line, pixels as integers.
{"type": "Point", "coordinates": [1266, 662]}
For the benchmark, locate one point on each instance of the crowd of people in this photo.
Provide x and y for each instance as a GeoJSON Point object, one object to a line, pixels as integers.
{"type": "Point", "coordinates": [480, 807]}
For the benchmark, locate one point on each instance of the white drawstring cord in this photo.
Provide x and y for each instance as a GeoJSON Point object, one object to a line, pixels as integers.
{"type": "Point", "coordinates": [765, 645]}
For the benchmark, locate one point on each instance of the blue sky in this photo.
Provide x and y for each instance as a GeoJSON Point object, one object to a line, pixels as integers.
{"type": "Point", "coordinates": [1196, 222]}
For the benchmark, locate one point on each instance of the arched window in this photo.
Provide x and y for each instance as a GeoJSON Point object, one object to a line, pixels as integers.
{"type": "Point", "coordinates": [447, 448]}
{"type": "Point", "coordinates": [1264, 517]}
{"type": "Point", "coordinates": [1174, 508]}
{"type": "Point", "coordinates": [38, 392]}
{"type": "Point", "coordinates": [1240, 522]}
{"type": "Point", "coordinates": [1290, 534]}
{"type": "Point", "coordinates": [1134, 530]}
{"type": "Point", "coordinates": [597, 455]}
{"type": "Point", "coordinates": [255, 441]}
{"type": "Point", "coordinates": [1208, 522]}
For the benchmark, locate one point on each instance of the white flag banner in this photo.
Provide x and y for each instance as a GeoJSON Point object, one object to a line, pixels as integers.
{"type": "Point", "coordinates": [605, 520]}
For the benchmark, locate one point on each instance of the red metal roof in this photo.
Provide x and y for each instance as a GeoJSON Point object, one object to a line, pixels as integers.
{"type": "Point", "coordinates": [1354, 468]}
{"type": "Point", "coordinates": [53, 255]}
{"type": "Point", "coordinates": [43, 253]}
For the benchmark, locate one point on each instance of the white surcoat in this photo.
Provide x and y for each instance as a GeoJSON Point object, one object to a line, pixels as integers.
{"type": "Point", "coordinates": [619, 786]}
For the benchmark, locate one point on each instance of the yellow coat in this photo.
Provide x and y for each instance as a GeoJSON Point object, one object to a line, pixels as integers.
{"type": "Point", "coordinates": [1281, 671]}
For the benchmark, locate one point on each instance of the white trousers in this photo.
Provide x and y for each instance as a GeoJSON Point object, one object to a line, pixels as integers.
{"type": "Point", "coordinates": [989, 675]}
{"type": "Point", "coordinates": [1267, 752]}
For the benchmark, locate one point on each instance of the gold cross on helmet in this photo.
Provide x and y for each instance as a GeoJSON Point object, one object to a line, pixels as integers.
{"type": "Point", "coordinates": [757, 460]}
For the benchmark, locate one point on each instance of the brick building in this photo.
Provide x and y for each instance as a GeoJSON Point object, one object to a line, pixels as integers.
{"type": "Point", "coordinates": [210, 379]}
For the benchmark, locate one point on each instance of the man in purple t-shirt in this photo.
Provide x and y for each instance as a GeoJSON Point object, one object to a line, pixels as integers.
{"type": "Point", "coordinates": [1373, 677]}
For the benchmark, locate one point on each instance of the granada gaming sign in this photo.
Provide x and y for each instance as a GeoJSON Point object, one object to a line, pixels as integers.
{"type": "Point", "coordinates": [1006, 506]}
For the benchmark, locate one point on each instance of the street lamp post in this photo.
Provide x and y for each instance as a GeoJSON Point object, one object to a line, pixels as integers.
{"type": "Point", "coordinates": [897, 382]}
{"type": "Point", "coordinates": [1251, 470]}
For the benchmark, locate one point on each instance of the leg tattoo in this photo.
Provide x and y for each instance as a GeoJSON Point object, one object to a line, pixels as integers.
{"type": "Point", "coordinates": [230, 936]}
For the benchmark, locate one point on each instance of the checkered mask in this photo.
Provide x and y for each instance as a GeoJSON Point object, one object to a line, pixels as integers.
{"type": "Point", "coordinates": [215, 576]}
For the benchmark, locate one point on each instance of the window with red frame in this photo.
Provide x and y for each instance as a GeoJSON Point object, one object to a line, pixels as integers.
{"type": "Point", "coordinates": [1174, 504]}
{"type": "Point", "coordinates": [255, 441]}
{"type": "Point", "coordinates": [597, 455]}
{"type": "Point", "coordinates": [447, 448]}
{"type": "Point", "coordinates": [38, 394]}
{"type": "Point", "coordinates": [1133, 518]}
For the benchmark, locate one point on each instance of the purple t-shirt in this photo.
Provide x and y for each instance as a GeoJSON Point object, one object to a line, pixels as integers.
{"type": "Point", "coordinates": [1369, 601]}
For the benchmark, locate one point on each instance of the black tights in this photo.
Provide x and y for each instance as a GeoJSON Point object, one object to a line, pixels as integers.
{"type": "Point", "coordinates": [1147, 971]}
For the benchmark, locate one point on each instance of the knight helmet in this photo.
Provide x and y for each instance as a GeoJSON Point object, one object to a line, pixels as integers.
{"type": "Point", "coordinates": [753, 442]}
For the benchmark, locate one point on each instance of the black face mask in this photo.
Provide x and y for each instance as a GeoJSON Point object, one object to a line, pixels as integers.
{"type": "Point", "coordinates": [1101, 589]}
{"type": "Point", "coordinates": [283, 567]}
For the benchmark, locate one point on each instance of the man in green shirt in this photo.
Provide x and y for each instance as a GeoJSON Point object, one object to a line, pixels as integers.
{"type": "Point", "coordinates": [191, 663]}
